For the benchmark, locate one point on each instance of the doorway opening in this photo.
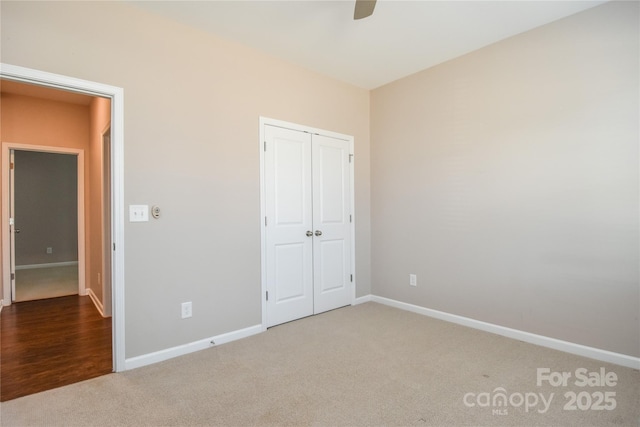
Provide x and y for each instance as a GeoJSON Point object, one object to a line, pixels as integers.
{"type": "Point", "coordinates": [111, 295]}
{"type": "Point", "coordinates": [47, 238]}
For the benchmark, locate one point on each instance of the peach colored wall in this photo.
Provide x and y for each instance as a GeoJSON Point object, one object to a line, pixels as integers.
{"type": "Point", "coordinates": [27, 120]}
{"type": "Point", "coordinates": [33, 121]}
{"type": "Point", "coordinates": [100, 117]}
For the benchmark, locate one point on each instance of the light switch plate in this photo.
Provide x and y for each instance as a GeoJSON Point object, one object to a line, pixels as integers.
{"type": "Point", "coordinates": [138, 213]}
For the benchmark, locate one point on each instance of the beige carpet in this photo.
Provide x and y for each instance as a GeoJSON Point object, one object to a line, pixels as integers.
{"type": "Point", "coordinates": [367, 365]}
{"type": "Point", "coordinates": [48, 282]}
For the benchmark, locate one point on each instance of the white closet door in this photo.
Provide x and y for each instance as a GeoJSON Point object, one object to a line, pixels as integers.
{"type": "Point", "coordinates": [308, 224]}
{"type": "Point", "coordinates": [331, 223]}
{"type": "Point", "coordinates": [289, 257]}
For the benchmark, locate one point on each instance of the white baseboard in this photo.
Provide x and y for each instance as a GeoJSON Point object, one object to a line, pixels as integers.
{"type": "Point", "coordinates": [96, 301]}
{"type": "Point", "coordinates": [48, 265]}
{"type": "Point", "coordinates": [541, 340]}
{"type": "Point", "coordinates": [169, 353]}
{"type": "Point", "coordinates": [362, 300]}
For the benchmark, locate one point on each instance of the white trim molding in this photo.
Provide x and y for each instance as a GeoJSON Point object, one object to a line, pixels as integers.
{"type": "Point", "coordinates": [181, 350]}
{"type": "Point", "coordinates": [362, 300]}
{"type": "Point", "coordinates": [96, 301]}
{"type": "Point", "coordinates": [48, 265]}
{"type": "Point", "coordinates": [541, 340]}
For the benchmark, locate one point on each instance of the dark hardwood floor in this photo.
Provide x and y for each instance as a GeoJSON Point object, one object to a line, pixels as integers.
{"type": "Point", "coordinates": [50, 343]}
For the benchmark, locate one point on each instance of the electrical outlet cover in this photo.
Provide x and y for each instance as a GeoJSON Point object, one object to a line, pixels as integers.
{"type": "Point", "coordinates": [187, 310]}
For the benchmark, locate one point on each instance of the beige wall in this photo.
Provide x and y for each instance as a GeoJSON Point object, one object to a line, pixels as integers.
{"type": "Point", "coordinates": [192, 108]}
{"type": "Point", "coordinates": [507, 180]}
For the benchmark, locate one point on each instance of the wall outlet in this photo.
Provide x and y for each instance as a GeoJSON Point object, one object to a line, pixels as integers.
{"type": "Point", "coordinates": [49, 250]}
{"type": "Point", "coordinates": [413, 280]}
{"type": "Point", "coordinates": [187, 310]}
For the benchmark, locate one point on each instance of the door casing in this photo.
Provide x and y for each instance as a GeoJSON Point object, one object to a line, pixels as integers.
{"type": "Point", "coordinates": [107, 237]}
{"type": "Point", "coordinates": [116, 94]}
{"type": "Point", "coordinates": [263, 208]}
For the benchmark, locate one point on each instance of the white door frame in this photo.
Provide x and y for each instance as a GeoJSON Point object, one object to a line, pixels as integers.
{"type": "Point", "coordinates": [12, 226]}
{"type": "Point", "coordinates": [116, 94]}
{"type": "Point", "coordinates": [263, 209]}
{"type": "Point", "coordinates": [6, 237]}
{"type": "Point", "coordinates": [107, 235]}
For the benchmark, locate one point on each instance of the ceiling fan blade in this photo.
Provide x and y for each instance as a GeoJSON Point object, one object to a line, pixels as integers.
{"type": "Point", "coordinates": [364, 8]}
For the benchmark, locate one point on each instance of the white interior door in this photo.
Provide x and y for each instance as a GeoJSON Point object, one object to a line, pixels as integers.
{"type": "Point", "coordinates": [289, 257]}
{"type": "Point", "coordinates": [331, 223]}
{"type": "Point", "coordinates": [307, 224]}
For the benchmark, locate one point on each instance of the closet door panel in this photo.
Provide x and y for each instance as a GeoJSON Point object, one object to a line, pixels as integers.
{"type": "Point", "coordinates": [288, 192]}
{"type": "Point", "coordinates": [331, 223]}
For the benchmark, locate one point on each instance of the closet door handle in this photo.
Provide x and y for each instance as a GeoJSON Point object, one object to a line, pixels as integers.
{"type": "Point", "coordinates": [318, 233]}
{"type": "Point", "coordinates": [309, 233]}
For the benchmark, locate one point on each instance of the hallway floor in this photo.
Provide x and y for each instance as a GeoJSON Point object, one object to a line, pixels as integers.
{"type": "Point", "coordinates": [50, 343]}
{"type": "Point", "coordinates": [48, 282]}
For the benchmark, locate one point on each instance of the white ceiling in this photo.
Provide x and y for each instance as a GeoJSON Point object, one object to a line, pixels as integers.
{"type": "Point", "coordinates": [401, 38]}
